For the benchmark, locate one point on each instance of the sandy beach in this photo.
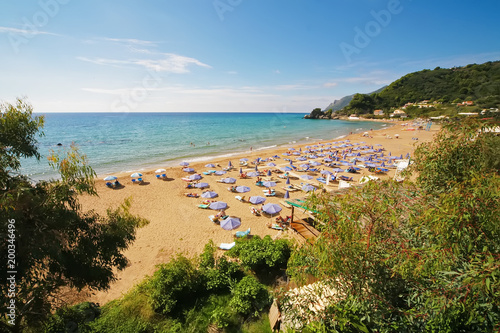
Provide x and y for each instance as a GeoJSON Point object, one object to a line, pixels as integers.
{"type": "Point", "coordinates": [177, 225]}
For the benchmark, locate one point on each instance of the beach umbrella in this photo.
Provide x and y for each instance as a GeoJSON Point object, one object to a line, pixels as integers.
{"type": "Point", "coordinates": [220, 172]}
{"type": "Point", "coordinates": [110, 178]}
{"type": "Point", "coordinates": [302, 159]}
{"type": "Point", "coordinates": [201, 185]}
{"type": "Point", "coordinates": [271, 164]}
{"type": "Point", "coordinates": [229, 180]}
{"type": "Point", "coordinates": [291, 148]}
{"type": "Point", "coordinates": [287, 180]}
{"type": "Point", "coordinates": [209, 195]}
{"type": "Point", "coordinates": [244, 159]}
{"type": "Point", "coordinates": [218, 205]}
{"type": "Point", "coordinates": [252, 174]}
{"type": "Point", "coordinates": [271, 208]}
{"type": "Point", "coordinates": [296, 153]}
{"type": "Point", "coordinates": [304, 166]}
{"type": "Point", "coordinates": [287, 195]}
{"type": "Point", "coordinates": [257, 200]}
{"type": "Point", "coordinates": [230, 223]}
{"type": "Point", "coordinates": [306, 177]}
{"type": "Point", "coordinates": [229, 164]}
{"type": "Point", "coordinates": [269, 173]}
{"type": "Point", "coordinates": [269, 184]}
{"type": "Point", "coordinates": [136, 175]}
{"type": "Point", "coordinates": [210, 165]}
{"type": "Point", "coordinates": [241, 170]}
{"type": "Point", "coordinates": [242, 189]}
{"type": "Point", "coordinates": [184, 164]}
{"type": "Point", "coordinates": [325, 172]}
{"type": "Point", "coordinates": [195, 177]}
{"type": "Point", "coordinates": [286, 169]}
{"type": "Point", "coordinates": [337, 170]}
{"type": "Point", "coordinates": [308, 188]}
{"type": "Point", "coordinates": [315, 163]}
{"type": "Point", "coordinates": [285, 154]}
{"type": "Point", "coordinates": [188, 170]}
{"type": "Point", "coordinates": [160, 170]}
{"type": "Point", "coordinates": [256, 167]}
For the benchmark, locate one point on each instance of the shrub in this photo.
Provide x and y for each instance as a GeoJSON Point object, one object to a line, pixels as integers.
{"type": "Point", "coordinates": [262, 253]}
{"type": "Point", "coordinates": [249, 295]}
{"type": "Point", "coordinates": [174, 285]}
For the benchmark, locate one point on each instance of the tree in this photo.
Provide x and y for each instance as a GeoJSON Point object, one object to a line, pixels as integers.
{"type": "Point", "coordinates": [53, 243]}
{"type": "Point", "coordinates": [418, 256]}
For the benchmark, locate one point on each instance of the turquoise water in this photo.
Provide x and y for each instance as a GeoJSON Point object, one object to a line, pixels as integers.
{"type": "Point", "coordinates": [123, 142]}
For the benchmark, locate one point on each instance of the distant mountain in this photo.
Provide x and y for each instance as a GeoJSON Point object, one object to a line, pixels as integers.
{"type": "Point", "coordinates": [339, 104]}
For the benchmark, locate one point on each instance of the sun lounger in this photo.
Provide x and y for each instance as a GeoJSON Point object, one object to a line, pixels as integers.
{"type": "Point", "coordinates": [192, 195]}
{"type": "Point", "coordinates": [227, 246]}
{"type": "Point", "coordinates": [108, 184]}
{"type": "Point", "coordinates": [241, 234]}
{"type": "Point", "coordinates": [274, 226]}
{"type": "Point", "coordinates": [345, 178]}
{"type": "Point", "coordinates": [158, 176]}
{"type": "Point", "coordinates": [240, 198]}
{"type": "Point", "coordinates": [203, 206]}
{"type": "Point", "coordinates": [186, 179]}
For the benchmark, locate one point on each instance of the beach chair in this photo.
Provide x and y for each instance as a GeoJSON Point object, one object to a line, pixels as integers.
{"type": "Point", "coordinates": [227, 246]}
{"type": "Point", "coordinates": [214, 218]}
{"type": "Point", "coordinates": [203, 206]}
{"type": "Point", "coordinates": [158, 176]}
{"type": "Point", "coordinates": [254, 211]}
{"type": "Point", "coordinates": [240, 198]}
{"type": "Point", "coordinates": [241, 234]}
{"type": "Point", "coordinates": [345, 178]}
{"type": "Point", "coordinates": [108, 184]}
{"type": "Point", "coordinates": [163, 175]}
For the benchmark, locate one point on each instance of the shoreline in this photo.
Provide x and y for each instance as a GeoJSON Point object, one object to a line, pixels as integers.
{"type": "Point", "coordinates": [178, 226]}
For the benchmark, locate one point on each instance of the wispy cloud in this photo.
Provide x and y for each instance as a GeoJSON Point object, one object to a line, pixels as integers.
{"type": "Point", "coordinates": [131, 41]}
{"type": "Point", "coordinates": [330, 84]}
{"type": "Point", "coordinates": [25, 32]}
{"type": "Point", "coordinates": [172, 63]}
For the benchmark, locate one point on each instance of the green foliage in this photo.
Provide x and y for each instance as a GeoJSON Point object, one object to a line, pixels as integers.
{"type": "Point", "coordinates": [249, 296]}
{"type": "Point", "coordinates": [414, 257]}
{"type": "Point", "coordinates": [56, 243]}
{"type": "Point", "coordinates": [361, 103]}
{"type": "Point", "coordinates": [18, 133]}
{"type": "Point", "coordinates": [72, 319]}
{"type": "Point", "coordinates": [459, 151]}
{"type": "Point", "coordinates": [261, 254]}
{"type": "Point", "coordinates": [174, 285]}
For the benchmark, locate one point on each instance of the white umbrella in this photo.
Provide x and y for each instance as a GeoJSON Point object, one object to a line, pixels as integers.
{"type": "Point", "coordinates": [160, 170]}
{"type": "Point", "coordinates": [136, 175]}
{"type": "Point", "coordinates": [110, 178]}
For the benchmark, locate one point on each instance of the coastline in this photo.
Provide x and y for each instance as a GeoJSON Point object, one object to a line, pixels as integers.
{"type": "Point", "coordinates": [178, 226]}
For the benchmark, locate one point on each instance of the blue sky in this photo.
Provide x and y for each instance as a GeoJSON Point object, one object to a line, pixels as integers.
{"type": "Point", "coordinates": [229, 55]}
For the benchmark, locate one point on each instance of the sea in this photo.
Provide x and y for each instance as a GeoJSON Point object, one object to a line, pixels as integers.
{"type": "Point", "coordinates": [130, 142]}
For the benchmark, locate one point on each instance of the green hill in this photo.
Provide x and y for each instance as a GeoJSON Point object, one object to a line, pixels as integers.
{"type": "Point", "coordinates": [339, 104]}
{"type": "Point", "coordinates": [479, 83]}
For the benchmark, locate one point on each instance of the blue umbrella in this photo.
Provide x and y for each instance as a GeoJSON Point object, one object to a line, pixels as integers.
{"type": "Point", "coordinates": [201, 185]}
{"type": "Point", "coordinates": [229, 180]}
{"type": "Point", "coordinates": [306, 177]}
{"type": "Point", "coordinates": [271, 208]}
{"type": "Point", "coordinates": [229, 164]}
{"type": "Point", "coordinates": [287, 195]}
{"type": "Point", "coordinates": [287, 180]}
{"type": "Point", "coordinates": [244, 159]}
{"type": "Point", "coordinates": [184, 164]}
{"type": "Point", "coordinates": [269, 184]}
{"type": "Point", "coordinates": [209, 194]}
{"type": "Point", "coordinates": [256, 200]}
{"type": "Point", "coordinates": [269, 172]}
{"type": "Point", "coordinates": [325, 172]}
{"type": "Point", "coordinates": [315, 163]}
{"type": "Point", "coordinates": [111, 178]}
{"type": "Point", "coordinates": [220, 172]}
{"type": "Point", "coordinates": [308, 188]}
{"type": "Point", "coordinates": [242, 189]}
{"type": "Point", "coordinates": [286, 169]}
{"type": "Point", "coordinates": [230, 223]}
{"type": "Point", "coordinates": [271, 164]}
{"type": "Point", "coordinates": [195, 177]}
{"type": "Point", "coordinates": [305, 166]}
{"type": "Point", "coordinates": [252, 174]}
{"type": "Point", "coordinates": [188, 170]}
{"type": "Point", "coordinates": [256, 168]}
{"type": "Point", "coordinates": [218, 205]}
{"type": "Point", "coordinates": [338, 170]}
{"type": "Point", "coordinates": [210, 165]}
